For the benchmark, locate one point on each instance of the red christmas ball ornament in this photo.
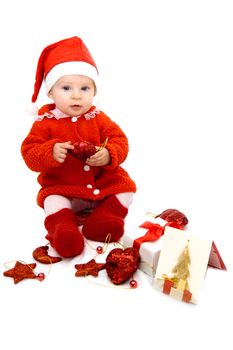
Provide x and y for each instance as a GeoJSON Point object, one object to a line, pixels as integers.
{"type": "Point", "coordinates": [83, 150]}
{"type": "Point", "coordinates": [40, 276]}
{"type": "Point", "coordinates": [99, 249]}
{"type": "Point", "coordinates": [133, 284]}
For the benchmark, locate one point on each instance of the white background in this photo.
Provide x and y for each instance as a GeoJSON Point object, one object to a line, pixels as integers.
{"type": "Point", "coordinates": [167, 77]}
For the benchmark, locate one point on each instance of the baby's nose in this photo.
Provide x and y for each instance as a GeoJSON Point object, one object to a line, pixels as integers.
{"type": "Point", "coordinates": [76, 93]}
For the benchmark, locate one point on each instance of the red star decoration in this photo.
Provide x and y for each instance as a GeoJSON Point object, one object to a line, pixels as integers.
{"type": "Point", "coordinates": [90, 268]}
{"type": "Point", "coordinates": [21, 271]}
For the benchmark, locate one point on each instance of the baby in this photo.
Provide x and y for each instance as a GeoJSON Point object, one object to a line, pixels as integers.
{"type": "Point", "coordinates": [70, 184]}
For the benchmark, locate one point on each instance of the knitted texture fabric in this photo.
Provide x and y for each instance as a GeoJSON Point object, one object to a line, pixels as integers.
{"type": "Point", "coordinates": [107, 218]}
{"type": "Point", "coordinates": [64, 234]}
{"type": "Point", "coordinates": [74, 178]}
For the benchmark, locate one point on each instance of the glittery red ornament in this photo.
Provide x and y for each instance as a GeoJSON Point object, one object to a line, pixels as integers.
{"type": "Point", "coordinates": [90, 268]}
{"type": "Point", "coordinates": [41, 254]}
{"type": "Point", "coordinates": [21, 271]}
{"type": "Point", "coordinates": [175, 216]}
{"type": "Point", "coordinates": [121, 264]}
{"type": "Point", "coordinates": [83, 150]}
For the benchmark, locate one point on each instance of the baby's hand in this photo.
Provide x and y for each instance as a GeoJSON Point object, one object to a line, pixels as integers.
{"type": "Point", "coordinates": [60, 151]}
{"type": "Point", "coordinates": [100, 158]}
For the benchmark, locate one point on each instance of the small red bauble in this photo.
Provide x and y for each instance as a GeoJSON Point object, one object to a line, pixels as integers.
{"type": "Point", "coordinates": [133, 284]}
{"type": "Point", "coordinates": [99, 249]}
{"type": "Point", "coordinates": [83, 150]}
{"type": "Point", "coordinates": [41, 276]}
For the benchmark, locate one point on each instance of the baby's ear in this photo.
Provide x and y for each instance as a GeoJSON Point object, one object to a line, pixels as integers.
{"type": "Point", "coordinates": [50, 94]}
{"type": "Point", "coordinates": [95, 89]}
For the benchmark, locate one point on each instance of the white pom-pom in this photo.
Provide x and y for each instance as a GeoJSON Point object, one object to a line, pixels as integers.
{"type": "Point", "coordinates": [32, 109]}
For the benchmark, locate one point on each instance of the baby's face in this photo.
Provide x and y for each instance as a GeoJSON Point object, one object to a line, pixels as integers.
{"type": "Point", "coordinates": [73, 94]}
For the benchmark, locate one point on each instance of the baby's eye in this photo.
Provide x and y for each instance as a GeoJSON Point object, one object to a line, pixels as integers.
{"type": "Point", "coordinates": [66, 87]}
{"type": "Point", "coordinates": [85, 88]}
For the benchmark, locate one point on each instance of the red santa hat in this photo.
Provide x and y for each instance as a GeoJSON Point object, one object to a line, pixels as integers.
{"type": "Point", "coordinates": [66, 57]}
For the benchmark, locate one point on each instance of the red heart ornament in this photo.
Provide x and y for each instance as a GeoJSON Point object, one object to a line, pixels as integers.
{"type": "Point", "coordinates": [121, 264]}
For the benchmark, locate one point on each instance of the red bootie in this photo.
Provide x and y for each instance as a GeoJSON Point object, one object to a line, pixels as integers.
{"type": "Point", "coordinates": [107, 218]}
{"type": "Point", "coordinates": [64, 234]}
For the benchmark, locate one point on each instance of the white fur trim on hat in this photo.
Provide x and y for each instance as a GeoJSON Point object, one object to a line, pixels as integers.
{"type": "Point", "coordinates": [70, 68]}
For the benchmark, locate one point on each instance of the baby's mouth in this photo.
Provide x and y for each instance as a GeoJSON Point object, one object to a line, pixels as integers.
{"type": "Point", "coordinates": [76, 106]}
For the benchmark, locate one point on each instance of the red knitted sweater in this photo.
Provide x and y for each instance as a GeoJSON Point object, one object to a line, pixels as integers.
{"type": "Point", "coordinates": [74, 178]}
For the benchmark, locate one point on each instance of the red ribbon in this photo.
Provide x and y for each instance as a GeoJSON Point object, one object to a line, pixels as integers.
{"type": "Point", "coordinates": [155, 231]}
